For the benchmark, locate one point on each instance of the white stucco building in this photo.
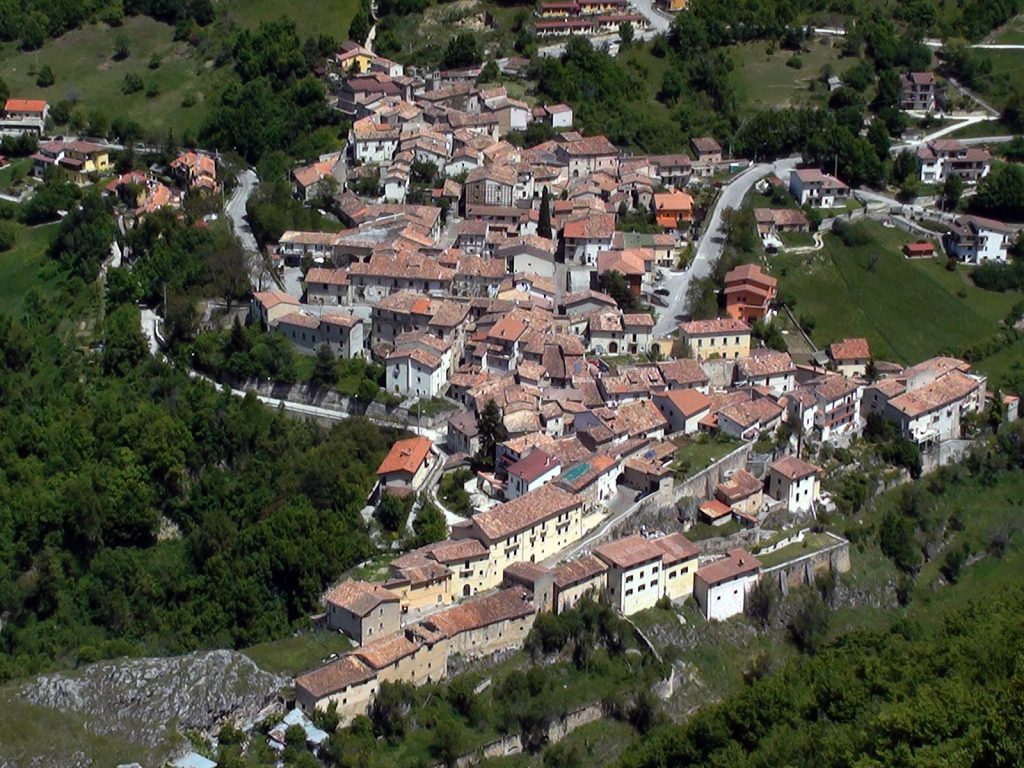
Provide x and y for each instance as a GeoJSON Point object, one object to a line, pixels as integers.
{"type": "Point", "coordinates": [795, 482]}
{"type": "Point", "coordinates": [721, 587]}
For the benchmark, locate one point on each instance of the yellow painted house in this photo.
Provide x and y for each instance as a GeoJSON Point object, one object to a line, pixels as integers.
{"type": "Point", "coordinates": [722, 337]}
{"type": "Point", "coordinates": [77, 161]}
{"type": "Point", "coordinates": [354, 58]}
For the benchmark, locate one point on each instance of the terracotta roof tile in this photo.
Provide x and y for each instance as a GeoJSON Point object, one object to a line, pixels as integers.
{"type": "Point", "coordinates": [406, 456]}
{"type": "Point", "coordinates": [737, 563]}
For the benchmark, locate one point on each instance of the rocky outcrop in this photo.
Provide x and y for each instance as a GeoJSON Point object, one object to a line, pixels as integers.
{"type": "Point", "coordinates": [152, 702]}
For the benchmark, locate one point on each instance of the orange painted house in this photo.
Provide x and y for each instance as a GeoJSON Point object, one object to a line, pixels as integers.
{"type": "Point", "coordinates": [673, 209]}
{"type": "Point", "coordinates": [749, 293]}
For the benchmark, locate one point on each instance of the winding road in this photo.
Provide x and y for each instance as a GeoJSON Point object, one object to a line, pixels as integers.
{"type": "Point", "coordinates": [712, 240]}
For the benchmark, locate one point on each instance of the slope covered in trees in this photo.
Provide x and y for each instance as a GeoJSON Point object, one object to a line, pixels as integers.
{"type": "Point", "coordinates": [142, 511]}
{"type": "Point", "coordinates": [946, 693]}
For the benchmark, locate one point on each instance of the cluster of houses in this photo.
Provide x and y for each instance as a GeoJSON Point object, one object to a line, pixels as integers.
{"type": "Point", "coordinates": [83, 162]}
{"type": "Point", "coordinates": [571, 446]}
{"type": "Point", "coordinates": [500, 268]}
{"type": "Point", "coordinates": [633, 572]}
{"type": "Point", "coordinates": [584, 17]}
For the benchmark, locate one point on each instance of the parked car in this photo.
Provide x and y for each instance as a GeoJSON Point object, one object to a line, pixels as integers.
{"type": "Point", "coordinates": [662, 291]}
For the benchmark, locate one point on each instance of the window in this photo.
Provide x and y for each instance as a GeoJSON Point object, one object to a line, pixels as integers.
{"type": "Point", "coordinates": [629, 592]}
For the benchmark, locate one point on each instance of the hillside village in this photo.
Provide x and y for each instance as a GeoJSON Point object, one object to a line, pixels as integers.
{"type": "Point", "coordinates": [494, 283]}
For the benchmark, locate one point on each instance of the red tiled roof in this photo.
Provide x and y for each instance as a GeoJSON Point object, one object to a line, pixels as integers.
{"type": "Point", "coordinates": [535, 465]}
{"type": "Point", "coordinates": [714, 509]}
{"type": "Point", "coordinates": [24, 105]}
{"type": "Point", "coordinates": [579, 570]}
{"type": "Point", "coordinates": [740, 485]}
{"type": "Point", "coordinates": [793, 468]}
{"type": "Point", "coordinates": [628, 552]}
{"type": "Point", "coordinates": [334, 677]}
{"type": "Point", "coordinates": [714, 326]}
{"type": "Point", "coordinates": [525, 511]}
{"type": "Point", "coordinates": [359, 597]}
{"type": "Point", "coordinates": [406, 456]}
{"type": "Point", "coordinates": [739, 562]}
{"type": "Point", "coordinates": [507, 604]}
{"type": "Point", "coordinates": [850, 349]}
{"type": "Point", "coordinates": [689, 402]}
{"type": "Point", "coordinates": [676, 548]}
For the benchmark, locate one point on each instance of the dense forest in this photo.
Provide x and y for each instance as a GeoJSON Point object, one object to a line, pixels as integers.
{"type": "Point", "coordinates": [946, 693]}
{"type": "Point", "coordinates": [143, 511]}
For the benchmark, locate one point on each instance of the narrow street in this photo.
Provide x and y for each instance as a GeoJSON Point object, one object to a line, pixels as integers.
{"type": "Point", "coordinates": [712, 240]}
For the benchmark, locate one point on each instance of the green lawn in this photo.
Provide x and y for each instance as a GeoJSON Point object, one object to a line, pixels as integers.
{"type": "Point", "coordinates": [86, 72]}
{"type": "Point", "coordinates": [812, 543]}
{"type": "Point", "coordinates": [763, 80]}
{"type": "Point", "coordinates": [432, 407]}
{"type": "Point", "coordinates": [986, 128]}
{"type": "Point", "coordinates": [907, 310]}
{"type": "Point", "coordinates": [22, 165]}
{"type": "Point", "coordinates": [1011, 33]}
{"type": "Point", "coordinates": [700, 452]}
{"type": "Point", "coordinates": [296, 654]}
{"type": "Point", "coordinates": [1007, 76]}
{"type": "Point", "coordinates": [21, 268]}
{"type": "Point", "coordinates": [311, 17]}
{"type": "Point", "coordinates": [797, 239]}
{"type": "Point", "coordinates": [1004, 363]}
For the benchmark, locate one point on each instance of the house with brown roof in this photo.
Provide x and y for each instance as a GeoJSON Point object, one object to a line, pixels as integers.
{"type": "Point", "coordinates": [586, 156]}
{"type": "Point", "coordinates": [321, 177]}
{"type": "Point", "coordinates": [850, 356]}
{"type": "Point", "coordinates": [76, 161]}
{"type": "Point", "coordinates": [530, 528]}
{"type": "Point", "coordinates": [795, 482]}
{"type": "Point", "coordinates": [974, 239]}
{"type": "Point", "coordinates": [414, 371]}
{"type": "Point", "coordinates": [941, 158]}
{"type": "Point", "coordinates": [809, 186]}
{"type": "Point", "coordinates": [683, 409]}
{"type": "Point", "coordinates": [490, 185]}
{"type": "Point", "coordinates": [267, 307]}
{"type": "Point", "coordinates": [741, 491]}
{"type": "Point", "coordinates": [673, 210]}
{"type": "Point", "coordinates": [593, 480]}
{"type": "Point", "coordinates": [576, 579]}
{"type": "Point", "coordinates": [722, 337]}
{"type": "Point", "coordinates": [934, 412]}
{"type": "Point", "coordinates": [641, 571]}
{"type": "Point", "coordinates": [774, 221]}
{"type": "Point", "coordinates": [708, 153]}
{"type": "Point", "coordinates": [721, 587]}
{"type": "Point", "coordinates": [747, 419]}
{"type": "Point", "coordinates": [684, 373]}
{"type": "Point", "coordinates": [767, 368]}
{"type": "Point", "coordinates": [584, 238]}
{"type": "Point", "coordinates": [407, 464]}
{"type": "Point", "coordinates": [372, 142]}
{"type": "Point", "coordinates": [920, 91]}
{"type": "Point", "coordinates": [419, 581]}
{"type": "Point", "coordinates": [343, 333]}
{"type": "Point", "coordinates": [348, 683]}
{"type": "Point", "coordinates": [530, 473]}
{"type": "Point", "coordinates": [196, 171]}
{"type": "Point", "coordinates": [487, 624]}
{"type": "Point", "coordinates": [749, 293]}
{"type": "Point", "coordinates": [363, 611]}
